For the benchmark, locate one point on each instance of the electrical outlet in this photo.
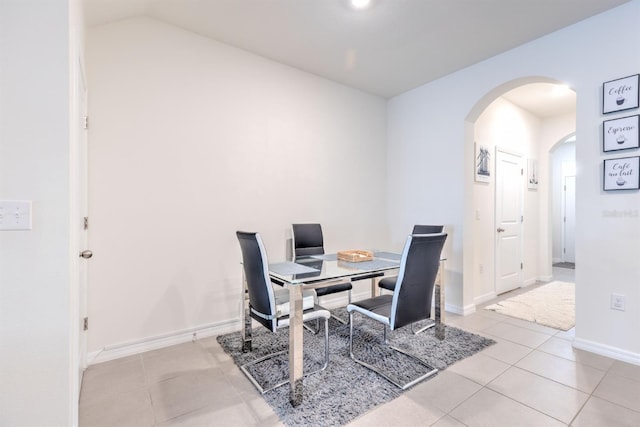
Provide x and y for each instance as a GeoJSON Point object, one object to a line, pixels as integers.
{"type": "Point", "coordinates": [617, 302]}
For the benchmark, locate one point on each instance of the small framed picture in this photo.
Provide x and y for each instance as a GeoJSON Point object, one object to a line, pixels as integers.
{"type": "Point", "coordinates": [532, 174]}
{"type": "Point", "coordinates": [482, 163]}
{"type": "Point", "coordinates": [621, 94]}
{"type": "Point", "coordinates": [621, 174]}
{"type": "Point", "coordinates": [620, 134]}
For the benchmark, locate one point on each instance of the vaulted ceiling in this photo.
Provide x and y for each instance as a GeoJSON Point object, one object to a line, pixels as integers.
{"type": "Point", "coordinates": [387, 49]}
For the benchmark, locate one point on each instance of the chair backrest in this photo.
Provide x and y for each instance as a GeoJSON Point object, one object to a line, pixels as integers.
{"type": "Point", "coordinates": [427, 229]}
{"type": "Point", "coordinates": [416, 279]}
{"type": "Point", "coordinates": [256, 273]}
{"type": "Point", "coordinates": [307, 239]}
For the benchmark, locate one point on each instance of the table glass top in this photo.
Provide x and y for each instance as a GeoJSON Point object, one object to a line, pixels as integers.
{"type": "Point", "coordinates": [327, 267]}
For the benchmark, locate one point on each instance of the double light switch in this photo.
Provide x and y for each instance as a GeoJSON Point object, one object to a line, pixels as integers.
{"type": "Point", "coordinates": [15, 214]}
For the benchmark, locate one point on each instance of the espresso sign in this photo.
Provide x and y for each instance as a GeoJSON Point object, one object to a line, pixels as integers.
{"type": "Point", "coordinates": [621, 174]}
{"type": "Point", "coordinates": [620, 134]}
{"type": "Point", "coordinates": [620, 94]}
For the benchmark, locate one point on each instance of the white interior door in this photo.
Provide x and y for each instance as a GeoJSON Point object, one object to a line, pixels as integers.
{"type": "Point", "coordinates": [569, 216]}
{"type": "Point", "coordinates": [509, 189]}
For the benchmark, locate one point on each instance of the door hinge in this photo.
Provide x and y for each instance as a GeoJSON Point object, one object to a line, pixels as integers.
{"type": "Point", "coordinates": [86, 323]}
{"type": "Point", "coordinates": [521, 218]}
{"type": "Point", "coordinates": [522, 172]}
{"type": "Point", "coordinates": [521, 266]}
{"type": "Point", "coordinates": [564, 219]}
{"type": "Point", "coordinates": [564, 250]}
{"type": "Point", "coordinates": [85, 123]}
{"type": "Point", "coordinates": [85, 223]}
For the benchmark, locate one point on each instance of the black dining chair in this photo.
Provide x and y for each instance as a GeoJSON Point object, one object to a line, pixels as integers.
{"type": "Point", "coordinates": [416, 279]}
{"type": "Point", "coordinates": [389, 283]}
{"type": "Point", "coordinates": [270, 306]}
{"type": "Point", "coordinates": [307, 240]}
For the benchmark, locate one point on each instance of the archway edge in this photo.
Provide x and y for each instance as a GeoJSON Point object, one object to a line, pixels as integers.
{"type": "Point", "coordinates": [468, 293]}
{"type": "Point", "coordinates": [499, 90]}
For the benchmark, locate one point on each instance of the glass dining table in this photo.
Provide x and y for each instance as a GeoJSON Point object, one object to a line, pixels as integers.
{"type": "Point", "coordinates": [323, 270]}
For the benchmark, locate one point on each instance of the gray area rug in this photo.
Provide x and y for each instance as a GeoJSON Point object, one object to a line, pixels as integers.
{"type": "Point", "coordinates": [345, 389]}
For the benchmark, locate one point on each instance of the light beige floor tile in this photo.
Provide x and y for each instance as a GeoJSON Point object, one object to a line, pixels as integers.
{"type": "Point", "coordinates": [446, 391]}
{"type": "Point", "coordinates": [191, 391]}
{"type": "Point", "coordinates": [217, 353]}
{"type": "Point", "coordinates": [547, 396]}
{"type": "Point", "coordinates": [576, 375]}
{"type": "Point", "coordinates": [398, 412]}
{"type": "Point", "coordinates": [620, 390]}
{"type": "Point", "coordinates": [125, 408]}
{"type": "Point", "coordinates": [517, 334]}
{"type": "Point", "coordinates": [233, 415]}
{"type": "Point", "coordinates": [260, 410]}
{"type": "Point", "coordinates": [479, 368]}
{"type": "Point", "coordinates": [112, 377]}
{"type": "Point", "coordinates": [473, 322]}
{"type": "Point", "coordinates": [567, 335]}
{"type": "Point", "coordinates": [531, 325]}
{"type": "Point", "coordinates": [600, 413]}
{"type": "Point", "coordinates": [488, 408]}
{"type": "Point", "coordinates": [447, 421]}
{"type": "Point", "coordinates": [626, 370]}
{"type": "Point", "coordinates": [166, 363]}
{"type": "Point", "coordinates": [564, 348]}
{"type": "Point", "coordinates": [507, 351]}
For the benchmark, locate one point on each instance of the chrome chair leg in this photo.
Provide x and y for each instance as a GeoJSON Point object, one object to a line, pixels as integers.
{"type": "Point", "coordinates": [256, 384]}
{"type": "Point", "coordinates": [429, 326]}
{"type": "Point", "coordinates": [432, 370]}
{"type": "Point", "coordinates": [343, 321]}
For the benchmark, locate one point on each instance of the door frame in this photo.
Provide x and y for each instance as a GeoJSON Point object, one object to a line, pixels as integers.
{"type": "Point", "coordinates": [496, 273]}
{"type": "Point", "coordinates": [564, 216]}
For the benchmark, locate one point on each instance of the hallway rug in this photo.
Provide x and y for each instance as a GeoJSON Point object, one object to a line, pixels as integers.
{"type": "Point", "coordinates": [346, 390]}
{"type": "Point", "coordinates": [551, 305]}
{"type": "Point", "coordinates": [571, 265]}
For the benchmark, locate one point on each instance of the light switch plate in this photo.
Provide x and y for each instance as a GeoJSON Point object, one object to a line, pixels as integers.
{"type": "Point", "coordinates": [15, 215]}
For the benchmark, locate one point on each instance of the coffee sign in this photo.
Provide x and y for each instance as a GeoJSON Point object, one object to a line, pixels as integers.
{"type": "Point", "coordinates": [621, 174]}
{"type": "Point", "coordinates": [620, 94]}
{"type": "Point", "coordinates": [620, 134]}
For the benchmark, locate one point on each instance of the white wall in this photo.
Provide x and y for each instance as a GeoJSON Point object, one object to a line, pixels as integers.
{"type": "Point", "coordinates": [432, 122]}
{"type": "Point", "coordinates": [553, 130]}
{"type": "Point", "coordinates": [191, 140]}
{"type": "Point", "coordinates": [36, 372]}
{"type": "Point", "coordinates": [561, 155]}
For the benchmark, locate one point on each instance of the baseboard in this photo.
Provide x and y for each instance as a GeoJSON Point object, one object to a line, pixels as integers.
{"type": "Point", "coordinates": [545, 278]}
{"type": "Point", "coordinates": [607, 350]}
{"type": "Point", "coordinates": [484, 298]}
{"type": "Point", "coordinates": [556, 260]}
{"type": "Point", "coordinates": [529, 282]}
{"type": "Point", "coordinates": [118, 351]}
{"type": "Point", "coordinates": [462, 311]}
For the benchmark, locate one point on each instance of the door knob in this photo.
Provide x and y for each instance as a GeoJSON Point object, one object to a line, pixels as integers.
{"type": "Point", "coordinates": [500, 229]}
{"type": "Point", "coordinates": [86, 254]}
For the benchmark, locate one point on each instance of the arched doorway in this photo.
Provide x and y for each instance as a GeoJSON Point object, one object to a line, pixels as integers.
{"type": "Point", "coordinates": [497, 121]}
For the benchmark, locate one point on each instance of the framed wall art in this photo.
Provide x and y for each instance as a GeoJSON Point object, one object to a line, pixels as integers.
{"type": "Point", "coordinates": [621, 94]}
{"type": "Point", "coordinates": [621, 174]}
{"type": "Point", "coordinates": [620, 134]}
{"type": "Point", "coordinates": [482, 163]}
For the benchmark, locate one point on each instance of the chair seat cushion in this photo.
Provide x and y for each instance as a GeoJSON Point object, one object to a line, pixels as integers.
{"type": "Point", "coordinates": [378, 308]}
{"type": "Point", "coordinates": [282, 300]}
{"type": "Point", "coordinates": [340, 287]}
{"type": "Point", "coordinates": [388, 283]}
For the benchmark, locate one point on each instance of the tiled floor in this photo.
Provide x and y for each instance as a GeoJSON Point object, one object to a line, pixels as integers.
{"type": "Point", "coordinates": [531, 377]}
